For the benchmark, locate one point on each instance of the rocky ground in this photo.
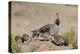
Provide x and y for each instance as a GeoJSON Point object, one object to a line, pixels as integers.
{"type": "Point", "coordinates": [42, 44]}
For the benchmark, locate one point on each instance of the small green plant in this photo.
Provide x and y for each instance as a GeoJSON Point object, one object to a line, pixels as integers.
{"type": "Point", "coordinates": [72, 36]}
{"type": "Point", "coordinates": [14, 46]}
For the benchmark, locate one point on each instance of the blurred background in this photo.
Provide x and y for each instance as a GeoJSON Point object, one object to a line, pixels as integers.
{"type": "Point", "coordinates": [27, 16]}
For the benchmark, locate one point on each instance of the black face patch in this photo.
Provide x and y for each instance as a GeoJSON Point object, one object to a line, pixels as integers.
{"type": "Point", "coordinates": [57, 22]}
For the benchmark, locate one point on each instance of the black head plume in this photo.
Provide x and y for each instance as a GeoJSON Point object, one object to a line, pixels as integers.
{"type": "Point", "coordinates": [57, 22]}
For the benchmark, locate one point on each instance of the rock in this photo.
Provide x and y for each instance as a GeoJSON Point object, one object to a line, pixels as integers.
{"type": "Point", "coordinates": [18, 39]}
{"type": "Point", "coordinates": [59, 40]}
{"type": "Point", "coordinates": [43, 47]}
{"type": "Point", "coordinates": [22, 39]}
{"type": "Point", "coordinates": [43, 37]}
{"type": "Point", "coordinates": [25, 37]}
{"type": "Point", "coordinates": [35, 33]}
{"type": "Point", "coordinates": [31, 46]}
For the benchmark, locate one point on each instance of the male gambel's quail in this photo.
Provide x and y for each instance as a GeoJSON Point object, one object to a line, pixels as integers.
{"type": "Point", "coordinates": [52, 29]}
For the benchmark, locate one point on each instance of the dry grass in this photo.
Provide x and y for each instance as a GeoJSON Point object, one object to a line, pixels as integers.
{"type": "Point", "coordinates": [14, 45]}
{"type": "Point", "coordinates": [71, 34]}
